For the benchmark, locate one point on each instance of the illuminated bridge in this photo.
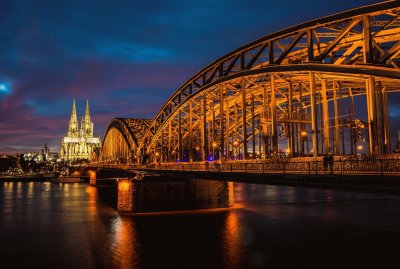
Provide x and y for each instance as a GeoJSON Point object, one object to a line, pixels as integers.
{"type": "Point", "coordinates": [316, 88]}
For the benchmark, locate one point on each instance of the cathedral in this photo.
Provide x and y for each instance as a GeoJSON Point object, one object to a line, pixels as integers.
{"type": "Point", "coordinates": [80, 143]}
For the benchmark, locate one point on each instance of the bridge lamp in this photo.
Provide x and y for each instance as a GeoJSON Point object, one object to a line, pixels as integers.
{"type": "Point", "coordinates": [157, 154]}
{"type": "Point", "coordinates": [213, 146]}
{"type": "Point", "coordinates": [360, 147]}
{"type": "Point", "coordinates": [235, 144]}
{"type": "Point", "coordinates": [303, 133]}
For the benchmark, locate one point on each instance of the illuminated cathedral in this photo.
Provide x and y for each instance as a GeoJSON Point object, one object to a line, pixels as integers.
{"type": "Point", "coordinates": [80, 143]}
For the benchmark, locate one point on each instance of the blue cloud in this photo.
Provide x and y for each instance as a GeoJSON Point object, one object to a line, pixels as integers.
{"type": "Point", "coordinates": [132, 51]}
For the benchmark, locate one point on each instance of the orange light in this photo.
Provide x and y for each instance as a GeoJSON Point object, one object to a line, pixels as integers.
{"type": "Point", "coordinates": [124, 185]}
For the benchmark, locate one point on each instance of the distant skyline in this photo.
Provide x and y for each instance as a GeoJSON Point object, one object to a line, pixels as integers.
{"type": "Point", "coordinates": [126, 58]}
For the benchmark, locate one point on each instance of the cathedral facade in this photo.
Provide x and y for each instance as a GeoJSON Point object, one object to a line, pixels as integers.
{"type": "Point", "coordinates": [80, 143]}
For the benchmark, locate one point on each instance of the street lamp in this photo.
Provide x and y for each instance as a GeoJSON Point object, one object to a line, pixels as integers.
{"type": "Point", "coordinates": [157, 154]}
{"type": "Point", "coordinates": [213, 146]}
{"type": "Point", "coordinates": [359, 147]}
{"type": "Point", "coordinates": [235, 145]}
{"type": "Point", "coordinates": [304, 135]}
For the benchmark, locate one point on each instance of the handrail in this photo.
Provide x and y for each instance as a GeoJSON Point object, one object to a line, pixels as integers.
{"type": "Point", "coordinates": [339, 167]}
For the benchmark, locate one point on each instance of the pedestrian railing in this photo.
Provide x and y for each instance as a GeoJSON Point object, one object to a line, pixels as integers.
{"type": "Point", "coordinates": [337, 167]}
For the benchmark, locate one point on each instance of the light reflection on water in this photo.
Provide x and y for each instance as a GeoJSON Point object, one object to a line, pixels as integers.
{"type": "Point", "coordinates": [75, 226]}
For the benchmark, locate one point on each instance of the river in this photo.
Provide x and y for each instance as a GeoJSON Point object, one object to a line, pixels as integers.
{"type": "Point", "coordinates": [47, 225]}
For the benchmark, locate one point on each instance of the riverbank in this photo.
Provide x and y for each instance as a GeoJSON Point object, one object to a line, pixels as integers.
{"type": "Point", "coordinates": [25, 179]}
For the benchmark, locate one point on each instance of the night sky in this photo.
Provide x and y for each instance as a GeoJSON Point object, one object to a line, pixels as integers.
{"type": "Point", "coordinates": [126, 57]}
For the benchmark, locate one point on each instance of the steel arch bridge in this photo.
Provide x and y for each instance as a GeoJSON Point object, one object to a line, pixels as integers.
{"type": "Point", "coordinates": [122, 139]}
{"type": "Point", "coordinates": [325, 82]}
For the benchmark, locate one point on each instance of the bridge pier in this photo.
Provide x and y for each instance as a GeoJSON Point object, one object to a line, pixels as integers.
{"type": "Point", "coordinates": [92, 178]}
{"type": "Point", "coordinates": [173, 194]}
{"type": "Point", "coordinates": [126, 192]}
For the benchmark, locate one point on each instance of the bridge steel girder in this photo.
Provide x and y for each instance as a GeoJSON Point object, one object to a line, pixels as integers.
{"type": "Point", "coordinates": [229, 101]}
{"type": "Point", "coordinates": [122, 139]}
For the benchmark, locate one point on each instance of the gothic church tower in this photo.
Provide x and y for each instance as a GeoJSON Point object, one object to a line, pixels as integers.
{"type": "Point", "coordinates": [80, 143]}
{"type": "Point", "coordinates": [73, 123]}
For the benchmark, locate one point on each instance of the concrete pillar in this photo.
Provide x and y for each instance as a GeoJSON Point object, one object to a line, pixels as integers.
{"type": "Point", "coordinates": [92, 178]}
{"type": "Point", "coordinates": [126, 190]}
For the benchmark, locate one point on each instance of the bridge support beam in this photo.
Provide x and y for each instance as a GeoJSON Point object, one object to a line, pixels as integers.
{"type": "Point", "coordinates": [386, 124]}
{"type": "Point", "coordinates": [222, 154]}
{"type": "Point", "coordinates": [227, 132]}
{"type": "Point", "coordinates": [179, 136]}
{"type": "Point", "coordinates": [204, 130]}
{"type": "Point", "coordinates": [244, 118]}
{"type": "Point", "coordinates": [372, 116]}
{"type": "Point", "coordinates": [170, 154]}
{"type": "Point", "coordinates": [274, 128]}
{"type": "Point", "coordinates": [291, 132]}
{"type": "Point", "coordinates": [325, 108]}
{"type": "Point", "coordinates": [336, 119]}
{"type": "Point", "coordinates": [314, 122]}
{"type": "Point", "coordinates": [191, 131]}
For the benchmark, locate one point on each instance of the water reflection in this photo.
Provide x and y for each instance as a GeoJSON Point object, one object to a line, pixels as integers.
{"type": "Point", "coordinates": [125, 243]}
{"type": "Point", "coordinates": [231, 246]}
{"type": "Point", "coordinates": [269, 226]}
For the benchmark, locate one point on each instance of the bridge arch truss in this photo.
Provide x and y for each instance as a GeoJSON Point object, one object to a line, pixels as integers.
{"type": "Point", "coordinates": [122, 140]}
{"type": "Point", "coordinates": [325, 82]}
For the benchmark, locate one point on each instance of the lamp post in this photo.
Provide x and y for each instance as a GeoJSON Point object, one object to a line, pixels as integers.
{"type": "Point", "coordinates": [360, 148]}
{"type": "Point", "coordinates": [157, 154]}
{"type": "Point", "coordinates": [213, 150]}
{"type": "Point", "coordinates": [304, 136]}
{"type": "Point", "coordinates": [235, 145]}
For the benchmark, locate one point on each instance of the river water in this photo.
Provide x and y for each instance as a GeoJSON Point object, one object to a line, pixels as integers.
{"type": "Point", "coordinates": [46, 225]}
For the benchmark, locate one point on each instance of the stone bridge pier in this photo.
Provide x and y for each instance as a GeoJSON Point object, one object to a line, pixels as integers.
{"type": "Point", "coordinates": [180, 194]}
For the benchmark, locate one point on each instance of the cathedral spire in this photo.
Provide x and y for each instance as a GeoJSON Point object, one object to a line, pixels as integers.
{"type": "Point", "coordinates": [87, 114]}
{"type": "Point", "coordinates": [73, 113]}
{"type": "Point", "coordinates": [73, 123]}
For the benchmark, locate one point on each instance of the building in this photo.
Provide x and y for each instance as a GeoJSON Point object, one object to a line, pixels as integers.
{"type": "Point", "coordinates": [79, 144]}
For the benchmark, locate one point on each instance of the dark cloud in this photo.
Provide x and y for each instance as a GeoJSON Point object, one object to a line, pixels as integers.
{"type": "Point", "coordinates": [126, 57]}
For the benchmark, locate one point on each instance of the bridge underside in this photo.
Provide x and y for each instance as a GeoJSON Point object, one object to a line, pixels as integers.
{"type": "Point", "coordinates": [268, 114]}
{"type": "Point", "coordinates": [316, 88]}
{"type": "Point", "coordinates": [121, 141]}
